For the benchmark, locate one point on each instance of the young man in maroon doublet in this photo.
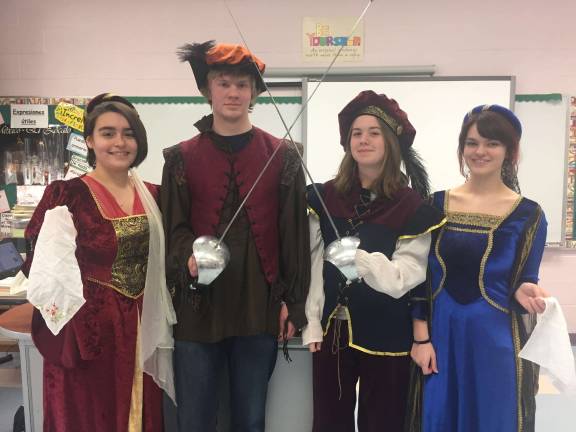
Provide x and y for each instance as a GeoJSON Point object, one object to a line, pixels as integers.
{"type": "Point", "coordinates": [259, 297]}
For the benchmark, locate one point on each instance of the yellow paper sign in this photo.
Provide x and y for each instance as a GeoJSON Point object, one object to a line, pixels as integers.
{"type": "Point", "coordinates": [70, 115]}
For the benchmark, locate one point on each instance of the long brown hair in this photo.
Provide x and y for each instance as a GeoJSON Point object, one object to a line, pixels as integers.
{"type": "Point", "coordinates": [391, 178]}
{"type": "Point", "coordinates": [494, 126]}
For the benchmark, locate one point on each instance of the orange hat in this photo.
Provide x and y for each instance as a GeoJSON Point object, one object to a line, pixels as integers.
{"type": "Point", "coordinates": [207, 56]}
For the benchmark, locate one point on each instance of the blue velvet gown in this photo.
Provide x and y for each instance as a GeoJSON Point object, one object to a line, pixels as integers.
{"type": "Point", "coordinates": [476, 263]}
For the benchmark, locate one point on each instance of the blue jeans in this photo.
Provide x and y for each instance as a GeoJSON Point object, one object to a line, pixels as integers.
{"type": "Point", "coordinates": [198, 368]}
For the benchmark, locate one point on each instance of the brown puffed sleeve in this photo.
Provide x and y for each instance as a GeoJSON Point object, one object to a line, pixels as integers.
{"type": "Point", "coordinates": [294, 277]}
{"type": "Point", "coordinates": [174, 204]}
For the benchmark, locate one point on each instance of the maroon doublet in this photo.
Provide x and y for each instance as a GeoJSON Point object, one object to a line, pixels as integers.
{"type": "Point", "coordinates": [208, 187]}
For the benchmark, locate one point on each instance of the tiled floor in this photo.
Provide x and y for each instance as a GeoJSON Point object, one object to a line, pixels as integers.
{"type": "Point", "coordinates": [10, 397]}
{"type": "Point", "coordinates": [555, 412]}
{"type": "Point", "coordinates": [10, 400]}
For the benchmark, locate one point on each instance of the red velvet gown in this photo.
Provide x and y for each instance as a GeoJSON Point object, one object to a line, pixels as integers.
{"type": "Point", "coordinates": [90, 381]}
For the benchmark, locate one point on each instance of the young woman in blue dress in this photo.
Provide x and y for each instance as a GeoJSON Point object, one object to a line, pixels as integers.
{"type": "Point", "coordinates": [482, 290]}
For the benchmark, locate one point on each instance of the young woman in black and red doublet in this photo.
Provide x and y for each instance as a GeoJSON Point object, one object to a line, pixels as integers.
{"type": "Point", "coordinates": [363, 331]}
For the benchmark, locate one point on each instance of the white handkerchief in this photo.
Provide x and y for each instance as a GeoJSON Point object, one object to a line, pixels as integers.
{"type": "Point", "coordinates": [549, 346]}
{"type": "Point", "coordinates": [54, 283]}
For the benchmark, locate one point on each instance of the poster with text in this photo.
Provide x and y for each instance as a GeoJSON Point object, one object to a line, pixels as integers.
{"type": "Point", "coordinates": [322, 38]}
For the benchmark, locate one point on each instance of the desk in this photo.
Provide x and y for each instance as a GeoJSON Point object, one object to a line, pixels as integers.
{"type": "Point", "coordinates": [16, 324]}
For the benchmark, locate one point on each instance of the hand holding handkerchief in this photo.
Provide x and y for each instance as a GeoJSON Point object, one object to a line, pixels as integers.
{"type": "Point", "coordinates": [549, 346]}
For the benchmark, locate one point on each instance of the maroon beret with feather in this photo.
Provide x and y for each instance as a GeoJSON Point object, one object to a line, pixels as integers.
{"type": "Point", "coordinates": [380, 106]}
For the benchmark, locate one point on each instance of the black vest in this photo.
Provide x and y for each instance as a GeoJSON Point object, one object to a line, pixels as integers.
{"type": "Point", "coordinates": [378, 323]}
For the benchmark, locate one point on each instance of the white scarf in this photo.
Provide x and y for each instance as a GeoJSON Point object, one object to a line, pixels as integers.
{"type": "Point", "coordinates": [549, 346]}
{"type": "Point", "coordinates": [158, 314]}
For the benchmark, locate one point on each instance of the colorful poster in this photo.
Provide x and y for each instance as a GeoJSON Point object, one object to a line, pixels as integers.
{"type": "Point", "coordinates": [570, 202]}
{"type": "Point", "coordinates": [322, 38]}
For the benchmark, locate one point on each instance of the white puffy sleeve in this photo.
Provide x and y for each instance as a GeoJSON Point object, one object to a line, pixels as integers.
{"type": "Point", "coordinates": [398, 275]}
{"type": "Point", "coordinates": [315, 301]}
{"type": "Point", "coordinates": [54, 284]}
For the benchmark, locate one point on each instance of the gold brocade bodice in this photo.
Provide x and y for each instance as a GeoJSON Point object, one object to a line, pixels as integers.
{"type": "Point", "coordinates": [129, 268]}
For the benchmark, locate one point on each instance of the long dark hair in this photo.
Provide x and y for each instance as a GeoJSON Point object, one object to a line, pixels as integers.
{"type": "Point", "coordinates": [492, 125]}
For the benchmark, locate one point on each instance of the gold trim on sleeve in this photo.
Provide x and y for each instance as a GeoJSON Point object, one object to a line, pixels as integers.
{"type": "Point", "coordinates": [432, 228]}
{"type": "Point", "coordinates": [313, 212]}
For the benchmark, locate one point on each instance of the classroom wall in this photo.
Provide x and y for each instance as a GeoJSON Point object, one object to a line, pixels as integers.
{"type": "Point", "coordinates": [81, 48]}
{"type": "Point", "coordinates": [65, 47]}
{"type": "Point", "coordinates": [557, 277]}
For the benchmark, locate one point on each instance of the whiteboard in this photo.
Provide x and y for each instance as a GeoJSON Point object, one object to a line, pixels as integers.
{"type": "Point", "coordinates": [543, 160]}
{"type": "Point", "coordinates": [168, 124]}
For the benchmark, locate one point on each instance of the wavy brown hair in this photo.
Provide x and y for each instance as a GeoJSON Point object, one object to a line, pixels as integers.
{"type": "Point", "coordinates": [391, 177]}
